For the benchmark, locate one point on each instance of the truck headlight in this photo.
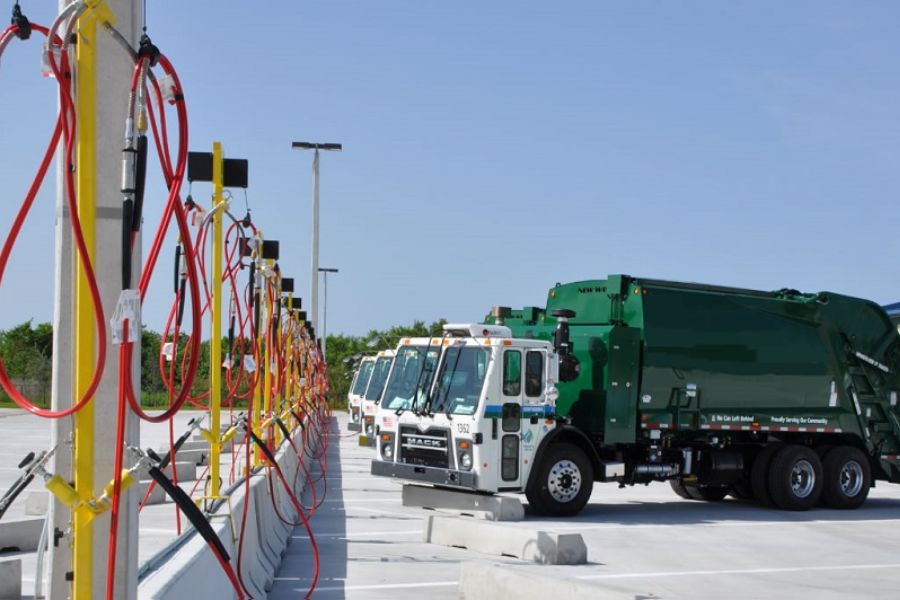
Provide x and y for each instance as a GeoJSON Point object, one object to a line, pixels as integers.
{"type": "Point", "coordinates": [370, 429]}
{"type": "Point", "coordinates": [387, 446]}
{"type": "Point", "coordinates": [464, 454]}
{"type": "Point", "coordinates": [465, 460]}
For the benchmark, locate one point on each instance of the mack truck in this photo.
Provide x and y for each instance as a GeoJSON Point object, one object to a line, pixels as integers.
{"type": "Point", "coordinates": [409, 380]}
{"type": "Point", "coordinates": [357, 389]}
{"type": "Point", "coordinates": [785, 398]}
{"type": "Point", "coordinates": [380, 371]}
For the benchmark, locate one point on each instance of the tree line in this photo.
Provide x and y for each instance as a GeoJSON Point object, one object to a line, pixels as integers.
{"type": "Point", "coordinates": [27, 353]}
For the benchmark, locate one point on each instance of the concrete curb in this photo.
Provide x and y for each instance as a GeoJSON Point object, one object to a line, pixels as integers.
{"type": "Point", "coordinates": [492, 538]}
{"type": "Point", "coordinates": [11, 578]}
{"type": "Point", "coordinates": [493, 508]}
{"type": "Point", "coordinates": [21, 534]}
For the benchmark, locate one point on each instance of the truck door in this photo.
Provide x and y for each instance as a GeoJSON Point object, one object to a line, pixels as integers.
{"type": "Point", "coordinates": [533, 399]}
{"type": "Point", "coordinates": [510, 422]}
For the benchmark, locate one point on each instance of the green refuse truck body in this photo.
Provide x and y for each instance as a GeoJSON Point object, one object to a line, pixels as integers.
{"type": "Point", "coordinates": [785, 397]}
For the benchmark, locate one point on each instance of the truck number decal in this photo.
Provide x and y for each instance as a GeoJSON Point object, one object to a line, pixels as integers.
{"type": "Point", "coordinates": [462, 427]}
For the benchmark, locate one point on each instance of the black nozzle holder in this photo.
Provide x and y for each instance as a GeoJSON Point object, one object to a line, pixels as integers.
{"type": "Point", "coordinates": [287, 284]}
{"type": "Point", "coordinates": [21, 22]}
{"type": "Point", "coordinates": [147, 50]}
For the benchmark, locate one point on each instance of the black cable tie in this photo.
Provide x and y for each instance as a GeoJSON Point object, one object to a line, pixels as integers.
{"type": "Point", "coordinates": [147, 50]}
{"type": "Point", "coordinates": [21, 22]}
{"type": "Point", "coordinates": [246, 221]}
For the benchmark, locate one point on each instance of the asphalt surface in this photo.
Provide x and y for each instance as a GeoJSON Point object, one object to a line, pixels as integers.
{"type": "Point", "coordinates": [643, 542]}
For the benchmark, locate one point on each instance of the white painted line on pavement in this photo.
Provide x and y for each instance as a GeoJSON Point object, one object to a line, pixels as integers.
{"type": "Point", "coordinates": [384, 586]}
{"type": "Point", "coordinates": [586, 527]}
{"type": "Point", "coordinates": [740, 571]}
{"type": "Point", "coordinates": [357, 534]}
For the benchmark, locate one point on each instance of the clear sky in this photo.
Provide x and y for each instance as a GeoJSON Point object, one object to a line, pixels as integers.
{"type": "Point", "coordinates": [495, 148]}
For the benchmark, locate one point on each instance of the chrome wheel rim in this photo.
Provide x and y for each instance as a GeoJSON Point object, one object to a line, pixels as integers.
{"type": "Point", "coordinates": [851, 479]}
{"type": "Point", "coordinates": [803, 478]}
{"type": "Point", "coordinates": [564, 481]}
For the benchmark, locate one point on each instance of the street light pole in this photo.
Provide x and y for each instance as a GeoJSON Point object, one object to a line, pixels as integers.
{"type": "Point", "coordinates": [314, 283]}
{"type": "Point", "coordinates": [325, 271]}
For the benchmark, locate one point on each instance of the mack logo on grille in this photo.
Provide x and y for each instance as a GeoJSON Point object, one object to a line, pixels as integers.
{"type": "Point", "coordinates": [424, 442]}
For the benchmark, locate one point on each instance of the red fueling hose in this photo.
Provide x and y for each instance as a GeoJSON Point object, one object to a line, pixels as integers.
{"type": "Point", "coordinates": [64, 128]}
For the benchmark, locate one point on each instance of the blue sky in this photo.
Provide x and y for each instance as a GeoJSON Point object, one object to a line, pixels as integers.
{"type": "Point", "coordinates": [495, 148]}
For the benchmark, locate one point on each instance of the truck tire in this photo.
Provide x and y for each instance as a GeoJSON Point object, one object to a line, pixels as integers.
{"type": "Point", "coordinates": [563, 482]}
{"type": "Point", "coordinates": [759, 474]}
{"type": "Point", "coordinates": [847, 478]}
{"type": "Point", "coordinates": [795, 478]}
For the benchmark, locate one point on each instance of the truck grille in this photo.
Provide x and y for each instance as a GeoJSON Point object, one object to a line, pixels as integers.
{"type": "Point", "coordinates": [428, 448]}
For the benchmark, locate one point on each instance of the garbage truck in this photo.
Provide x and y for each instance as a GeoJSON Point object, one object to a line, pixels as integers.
{"type": "Point", "coordinates": [357, 389]}
{"type": "Point", "coordinates": [785, 398]}
{"type": "Point", "coordinates": [380, 371]}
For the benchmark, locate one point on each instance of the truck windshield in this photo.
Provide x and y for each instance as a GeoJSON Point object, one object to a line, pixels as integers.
{"type": "Point", "coordinates": [460, 380]}
{"type": "Point", "coordinates": [379, 376]}
{"type": "Point", "coordinates": [362, 380]}
{"type": "Point", "coordinates": [411, 377]}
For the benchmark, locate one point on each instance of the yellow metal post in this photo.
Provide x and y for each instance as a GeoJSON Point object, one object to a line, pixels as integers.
{"type": "Point", "coordinates": [267, 373]}
{"type": "Point", "coordinates": [261, 368]}
{"type": "Point", "coordinates": [84, 350]}
{"type": "Point", "coordinates": [215, 341]}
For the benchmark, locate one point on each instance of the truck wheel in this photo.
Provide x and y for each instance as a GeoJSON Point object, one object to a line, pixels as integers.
{"type": "Point", "coordinates": [679, 488]}
{"type": "Point", "coordinates": [847, 478]}
{"type": "Point", "coordinates": [563, 482]}
{"type": "Point", "coordinates": [759, 475]}
{"type": "Point", "coordinates": [795, 478]}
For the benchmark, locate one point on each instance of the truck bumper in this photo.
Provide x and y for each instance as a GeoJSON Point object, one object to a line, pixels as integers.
{"type": "Point", "coordinates": [366, 442]}
{"type": "Point", "coordinates": [433, 475]}
{"type": "Point", "coordinates": [352, 426]}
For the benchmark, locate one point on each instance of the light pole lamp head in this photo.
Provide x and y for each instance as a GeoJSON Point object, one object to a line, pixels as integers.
{"type": "Point", "coordinates": [314, 146]}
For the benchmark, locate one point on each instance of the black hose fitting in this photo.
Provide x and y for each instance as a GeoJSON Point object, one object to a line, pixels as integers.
{"type": "Point", "coordinates": [127, 216]}
{"type": "Point", "coordinates": [21, 22]}
{"type": "Point", "coordinates": [147, 50]}
{"type": "Point", "coordinates": [140, 183]}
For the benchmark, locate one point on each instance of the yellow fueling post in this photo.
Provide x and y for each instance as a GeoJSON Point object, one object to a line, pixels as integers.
{"type": "Point", "coordinates": [267, 372]}
{"type": "Point", "coordinates": [215, 339]}
{"type": "Point", "coordinates": [260, 339]}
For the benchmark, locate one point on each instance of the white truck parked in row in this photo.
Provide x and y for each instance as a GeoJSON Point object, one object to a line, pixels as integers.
{"type": "Point", "coordinates": [380, 371]}
{"type": "Point", "coordinates": [480, 426]}
{"type": "Point", "coordinates": [357, 389]}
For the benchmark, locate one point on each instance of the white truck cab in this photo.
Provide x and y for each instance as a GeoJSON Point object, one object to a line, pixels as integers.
{"type": "Point", "coordinates": [380, 371]}
{"type": "Point", "coordinates": [410, 379]}
{"type": "Point", "coordinates": [357, 389]}
{"type": "Point", "coordinates": [481, 425]}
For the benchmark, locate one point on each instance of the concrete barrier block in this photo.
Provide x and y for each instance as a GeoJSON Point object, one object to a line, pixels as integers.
{"type": "Point", "coordinates": [37, 503]}
{"type": "Point", "coordinates": [157, 496]}
{"type": "Point", "coordinates": [11, 578]}
{"type": "Point", "coordinates": [493, 508]}
{"type": "Point", "coordinates": [502, 540]}
{"type": "Point", "coordinates": [186, 470]}
{"type": "Point", "coordinates": [485, 581]}
{"type": "Point", "coordinates": [198, 457]}
{"type": "Point", "coordinates": [20, 534]}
